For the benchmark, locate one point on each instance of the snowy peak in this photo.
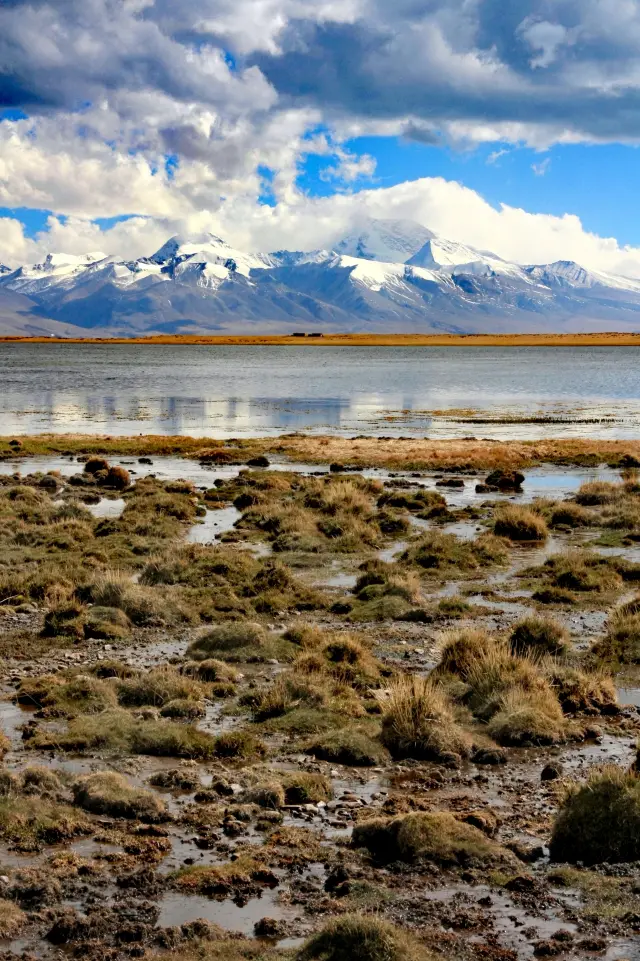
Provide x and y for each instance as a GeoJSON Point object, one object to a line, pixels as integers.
{"type": "Point", "coordinates": [438, 252]}
{"type": "Point", "coordinates": [389, 241]}
{"type": "Point", "coordinates": [388, 275]}
{"type": "Point", "coordinates": [55, 261]}
{"type": "Point", "coordinates": [563, 273]}
{"type": "Point", "coordinates": [5, 270]}
{"type": "Point", "coordinates": [180, 255]}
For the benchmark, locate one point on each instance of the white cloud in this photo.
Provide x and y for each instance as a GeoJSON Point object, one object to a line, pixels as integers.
{"type": "Point", "coordinates": [300, 222]}
{"type": "Point", "coordinates": [541, 168]}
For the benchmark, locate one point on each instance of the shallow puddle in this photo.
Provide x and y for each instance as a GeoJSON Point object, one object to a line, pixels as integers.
{"type": "Point", "coordinates": [178, 909]}
{"type": "Point", "coordinates": [215, 523]}
{"type": "Point", "coordinates": [106, 507]}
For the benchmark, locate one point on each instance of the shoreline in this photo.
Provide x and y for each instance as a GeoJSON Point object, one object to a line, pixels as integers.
{"type": "Point", "coordinates": [603, 339]}
{"type": "Point", "coordinates": [351, 453]}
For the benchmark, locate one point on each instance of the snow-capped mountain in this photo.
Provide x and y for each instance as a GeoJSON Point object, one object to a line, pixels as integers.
{"type": "Point", "coordinates": [390, 276]}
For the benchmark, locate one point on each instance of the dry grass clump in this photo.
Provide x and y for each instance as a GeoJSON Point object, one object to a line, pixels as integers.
{"type": "Point", "coordinates": [599, 820]}
{"type": "Point", "coordinates": [460, 651]}
{"type": "Point", "coordinates": [66, 620]}
{"type": "Point", "coordinates": [384, 591]}
{"type": "Point", "coordinates": [554, 595]}
{"type": "Point", "coordinates": [436, 551]}
{"type": "Point", "coordinates": [244, 877]}
{"type": "Point", "coordinates": [349, 745]}
{"type": "Point", "coordinates": [428, 503]}
{"type": "Point", "coordinates": [359, 938]}
{"type": "Point", "coordinates": [436, 836]}
{"type": "Point", "coordinates": [267, 794]}
{"type": "Point", "coordinates": [306, 636]}
{"type": "Point", "coordinates": [346, 658]}
{"type": "Point", "coordinates": [581, 571]}
{"type": "Point", "coordinates": [583, 692]}
{"type": "Point", "coordinates": [302, 787]}
{"type": "Point", "coordinates": [12, 920]}
{"type": "Point", "coordinates": [158, 687]}
{"type": "Point", "coordinates": [568, 514]}
{"type": "Point", "coordinates": [118, 479]}
{"type": "Point", "coordinates": [595, 493]}
{"type": "Point", "coordinates": [238, 746]}
{"type": "Point", "coordinates": [527, 718]}
{"type": "Point", "coordinates": [334, 496]}
{"type": "Point", "coordinates": [539, 637]}
{"type": "Point", "coordinates": [118, 732]}
{"type": "Point", "coordinates": [514, 697]}
{"type": "Point", "coordinates": [287, 693]}
{"type": "Point", "coordinates": [143, 607]}
{"type": "Point", "coordinates": [183, 708]}
{"type": "Point", "coordinates": [519, 524]}
{"type": "Point", "coordinates": [211, 671]}
{"type": "Point", "coordinates": [229, 642]}
{"type": "Point", "coordinates": [95, 464]}
{"type": "Point", "coordinates": [109, 793]}
{"type": "Point", "coordinates": [29, 822]}
{"type": "Point", "coordinates": [106, 623]}
{"type": "Point", "coordinates": [419, 722]}
{"type": "Point", "coordinates": [621, 643]}
{"type": "Point", "coordinates": [59, 696]}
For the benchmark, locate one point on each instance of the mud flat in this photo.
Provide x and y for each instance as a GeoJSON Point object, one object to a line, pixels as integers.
{"type": "Point", "coordinates": [340, 696]}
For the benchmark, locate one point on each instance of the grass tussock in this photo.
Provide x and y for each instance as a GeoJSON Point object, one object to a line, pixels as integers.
{"type": "Point", "coordinates": [360, 938]}
{"type": "Point", "coordinates": [302, 787]}
{"type": "Point", "coordinates": [539, 637]}
{"type": "Point", "coordinates": [158, 688]}
{"type": "Point", "coordinates": [111, 794]}
{"type": "Point", "coordinates": [235, 642]}
{"type": "Point", "coordinates": [568, 514]}
{"type": "Point", "coordinates": [599, 820]}
{"type": "Point", "coordinates": [418, 722]}
{"type": "Point", "coordinates": [526, 718]}
{"type": "Point", "coordinates": [581, 572]}
{"type": "Point", "coordinates": [12, 920]}
{"type": "Point", "coordinates": [596, 493]}
{"type": "Point", "coordinates": [118, 732]}
{"type": "Point", "coordinates": [460, 651]}
{"type": "Point", "coordinates": [621, 643]}
{"type": "Point", "coordinates": [519, 524]}
{"type": "Point", "coordinates": [436, 836]}
{"type": "Point", "coordinates": [447, 553]}
{"type": "Point", "coordinates": [60, 696]}
{"type": "Point", "coordinates": [350, 745]}
{"type": "Point", "coordinates": [29, 822]}
{"type": "Point", "coordinates": [514, 698]}
{"type": "Point", "coordinates": [582, 691]}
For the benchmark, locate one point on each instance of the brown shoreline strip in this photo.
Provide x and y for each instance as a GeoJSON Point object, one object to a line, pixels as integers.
{"type": "Point", "coordinates": [604, 339]}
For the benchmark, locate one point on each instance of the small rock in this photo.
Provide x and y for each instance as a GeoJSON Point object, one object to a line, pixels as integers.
{"type": "Point", "coordinates": [551, 771]}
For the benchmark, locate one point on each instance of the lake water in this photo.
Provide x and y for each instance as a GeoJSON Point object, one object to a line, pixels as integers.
{"type": "Point", "coordinates": [243, 391]}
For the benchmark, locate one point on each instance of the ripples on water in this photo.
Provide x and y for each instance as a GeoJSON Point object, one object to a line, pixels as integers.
{"type": "Point", "coordinates": [236, 391]}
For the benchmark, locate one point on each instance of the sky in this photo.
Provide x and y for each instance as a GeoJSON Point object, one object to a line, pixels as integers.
{"type": "Point", "coordinates": [513, 127]}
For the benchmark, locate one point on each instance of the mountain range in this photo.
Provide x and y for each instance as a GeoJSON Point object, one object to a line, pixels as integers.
{"type": "Point", "coordinates": [388, 276]}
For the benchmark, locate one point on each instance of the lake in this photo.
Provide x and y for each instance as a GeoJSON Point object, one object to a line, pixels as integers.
{"type": "Point", "coordinates": [493, 392]}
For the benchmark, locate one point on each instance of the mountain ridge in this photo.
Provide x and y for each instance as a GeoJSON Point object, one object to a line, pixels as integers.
{"type": "Point", "coordinates": [206, 285]}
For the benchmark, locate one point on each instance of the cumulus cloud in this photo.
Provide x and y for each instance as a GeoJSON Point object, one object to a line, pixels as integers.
{"type": "Point", "coordinates": [300, 222]}
{"type": "Point", "coordinates": [169, 113]}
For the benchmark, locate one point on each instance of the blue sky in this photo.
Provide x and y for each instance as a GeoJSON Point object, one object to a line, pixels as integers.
{"type": "Point", "coordinates": [285, 122]}
{"type": "Point", "coordinates": [592, 181]}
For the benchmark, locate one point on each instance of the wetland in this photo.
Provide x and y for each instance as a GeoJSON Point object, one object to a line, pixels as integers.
{"type": "Point", "coordinates": [300, 698]}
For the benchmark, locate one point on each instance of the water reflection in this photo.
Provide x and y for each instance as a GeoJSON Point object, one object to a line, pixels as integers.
{"type": "Point", "coordinates": [235, 391]}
